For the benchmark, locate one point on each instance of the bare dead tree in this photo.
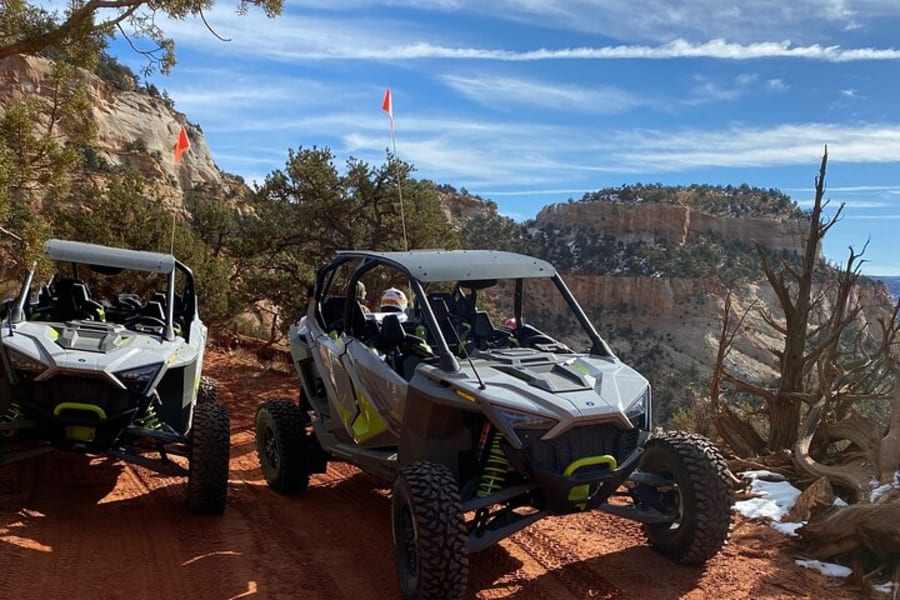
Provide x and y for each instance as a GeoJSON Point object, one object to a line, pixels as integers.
{"type": "Point", "coordinates": [834, 360]}
{"type": "Point", "coordinates": [830, 360]}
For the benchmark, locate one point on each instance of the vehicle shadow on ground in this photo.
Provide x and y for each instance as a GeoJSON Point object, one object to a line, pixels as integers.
{"type": "Point", "coordinates": [39, 483]}
{"type": "Point", "coordinates": [634, 568]}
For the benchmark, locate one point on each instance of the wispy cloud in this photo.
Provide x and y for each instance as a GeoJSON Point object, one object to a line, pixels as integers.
{"type": "Point", "coordinates": [777, 85]}
{"type": "Point", "coordinates": [512, 155]}
{"type": "Point", "coordinates": [315, 38]}
{"type": "Point", "coordinates": [707, 90]}
{"type": "Point", "coordinates": [507, 91]}
{"type": "Point", "coordinates": [758, 147]}
{"type": "Point", "coordinates": [660, 20]}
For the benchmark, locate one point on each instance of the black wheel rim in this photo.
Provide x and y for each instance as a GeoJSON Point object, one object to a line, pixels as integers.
{"type": "Point", "coordinates": [675, 497]}
{"type": "Point", "coordinates": [270, 448]}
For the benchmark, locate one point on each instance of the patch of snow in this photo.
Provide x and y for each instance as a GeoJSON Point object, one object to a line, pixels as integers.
{"type": "Point", "coordinates": [884, 588]}
{"type": "Point", "coordinates": [787, 528]}
{"type": "Point", "coordinates": [881, 490]}
{"type": "Point", "coordinates": [839, 502]}
{"type": "Point", "coordinates": [774, 498]}
{"type": "Point", "coordinates": [824, 568]}
{"type": "Point", "coordinates": [763, 474]}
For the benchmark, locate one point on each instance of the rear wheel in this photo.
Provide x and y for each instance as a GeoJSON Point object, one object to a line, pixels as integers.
{"type": "Point", "coordinates": [282, 444]}
{"type": "Point", "coordinates": [210, 450]}
{"type": "Point", "coordinates": [701, 496]}
{"type": "Point", "coordinates": [429, 533]}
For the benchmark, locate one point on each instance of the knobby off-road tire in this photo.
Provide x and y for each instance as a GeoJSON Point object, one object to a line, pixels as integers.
{"type": "Point", "coordinates": [210, 451]}
{"type": "Point", "coordinates": [429, 533]}
{"type": "Point", "coordinates": [705, 496]}
{"type": "Point", "coordinates": [282, 443]}
{"type": "Point", "coordinates": [208, 392]}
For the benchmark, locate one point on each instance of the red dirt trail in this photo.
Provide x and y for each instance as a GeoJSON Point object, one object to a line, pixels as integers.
{"type": "Point", "coordinates": [77, 527]}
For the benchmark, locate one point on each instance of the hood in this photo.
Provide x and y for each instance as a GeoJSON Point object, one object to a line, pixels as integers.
{"type": "Point", "coordinates": [565, 386]}
{"type": "Point", "coordinates": [93, 349]}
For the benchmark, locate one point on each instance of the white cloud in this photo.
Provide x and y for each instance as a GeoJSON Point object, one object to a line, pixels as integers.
{"type": "Point", "coordinates": [708, 90]}
{"type": "Point", "coordinates": [314, 38]}
{"type": "Point", "coordinates": [660, 20]}
{"type": "Point", "coordinates": [507, 91]}
{"type": "Point", "coordinates": [777, 85]}
{"type": "Point", "coordinates": [759, 147]}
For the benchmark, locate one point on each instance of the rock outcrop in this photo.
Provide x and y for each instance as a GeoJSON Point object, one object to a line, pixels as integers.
{"type": "Point", "coordinates": [133, 129]}
{"type": "Point", "coordinates": [647, 222]}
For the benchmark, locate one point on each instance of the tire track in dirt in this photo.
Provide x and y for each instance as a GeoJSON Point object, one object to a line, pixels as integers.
{"type": "Point", "coordinates": [579, 579]}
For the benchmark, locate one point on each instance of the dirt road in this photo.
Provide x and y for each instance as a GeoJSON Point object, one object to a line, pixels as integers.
{"type": "Point", "coordinates": [80, 527]}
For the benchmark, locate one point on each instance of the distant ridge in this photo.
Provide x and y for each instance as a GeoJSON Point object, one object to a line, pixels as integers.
{"type": "Point", "coordinates": [892, 283]}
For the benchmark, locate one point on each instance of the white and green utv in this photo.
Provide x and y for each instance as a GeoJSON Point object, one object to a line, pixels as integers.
{"type": "Point", "coordinates": [114, 371]}
{"type": "Point", "coordinates": [490, 402]}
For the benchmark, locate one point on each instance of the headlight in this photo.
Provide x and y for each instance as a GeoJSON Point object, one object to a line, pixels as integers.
{"type": "Point", "coordinates": [518, 420]}
{"type": "Point", "coordinates": [638, 412]}
{"type": "Point", "coordinates": [25, 366]}
{"type": "Point", "coordinates": [139, 379]}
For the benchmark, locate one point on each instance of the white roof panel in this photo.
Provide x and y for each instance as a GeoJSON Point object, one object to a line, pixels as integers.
{"type": "Point", "coordinates": [104, 256]}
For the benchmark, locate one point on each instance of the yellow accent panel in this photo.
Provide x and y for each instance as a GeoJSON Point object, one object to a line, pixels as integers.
{"type": "Point", "coordinates": [368, 422]}
{"type": "Point", "coordinates": [124, 341]}
{"type": "Point", "coordinates": [54, 334]}
{"type": "Point", "coordinates": [581, 368]}
{"type": "Point", "coordinates": [580, 493]}
{"type": "Point", "coordinates": [80, 433]}
{"type": "Point", "coordinates": [79, 406]}
{"type": "Point", "coordinates": [465, 396]}
{"type": "Point", "coordinates": [346, 415]}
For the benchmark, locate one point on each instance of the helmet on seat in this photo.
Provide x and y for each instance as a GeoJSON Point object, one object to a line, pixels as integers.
{"type": "Point", "coordinates": [393, 300]}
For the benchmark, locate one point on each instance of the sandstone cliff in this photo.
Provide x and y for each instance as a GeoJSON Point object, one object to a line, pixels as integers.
{"type": "Point", "coordinates": [133, 128]}
{"type": "Point", "coordinates": [678, 224]}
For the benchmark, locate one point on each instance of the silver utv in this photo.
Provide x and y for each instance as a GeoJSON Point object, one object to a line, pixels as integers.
{"type": "Point", "coordinates": [115, 373]}
{"type": "Point", "coordinates": [492, 402]}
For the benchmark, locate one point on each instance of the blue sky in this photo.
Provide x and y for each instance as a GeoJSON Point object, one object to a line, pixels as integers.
{"type": "Point", "coordinates": [537, 101]}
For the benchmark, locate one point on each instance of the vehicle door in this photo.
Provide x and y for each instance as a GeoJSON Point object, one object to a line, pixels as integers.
{"type": "Point", "coordinates": [374, 361]}
{"type": "Point", "coordinates": [329, 341]}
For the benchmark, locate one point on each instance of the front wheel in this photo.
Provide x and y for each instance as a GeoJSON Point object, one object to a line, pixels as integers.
{"type": "Point", "coordinates": [208, 392]}
{"type": "Point", "coordinates": [210, 451]}
{"type": "Point", "coordinates": [700, 495]}
{"type": "Point", "coordinates": [429, 533]}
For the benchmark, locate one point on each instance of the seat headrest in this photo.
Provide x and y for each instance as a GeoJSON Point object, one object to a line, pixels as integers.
{"type": "Point", "coordinates": [391, 330]}
{"type": "Point", "coordinates": [79, 293]}
{"type": "Point", "coordinates": [154, 309]}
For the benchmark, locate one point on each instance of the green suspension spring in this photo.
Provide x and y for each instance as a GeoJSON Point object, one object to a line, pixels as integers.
{"type": "Point", "coordinates": [494, 476]}
{"type": "Point", "coordinates": [150, 420]}
{"type": "Point", "coordinates": [12, 415]}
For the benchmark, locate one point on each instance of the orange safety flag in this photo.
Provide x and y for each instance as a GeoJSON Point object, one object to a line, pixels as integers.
{"type": "Point", "coordinates": [182, 145]}
{"type": "Point", "coordinates": [388, 106]}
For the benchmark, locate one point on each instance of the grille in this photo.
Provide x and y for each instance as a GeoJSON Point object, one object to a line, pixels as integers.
{"type": "Point", "coordinates": [592, 440]}
{"type": "Point", "coordinates": [48, 394]}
